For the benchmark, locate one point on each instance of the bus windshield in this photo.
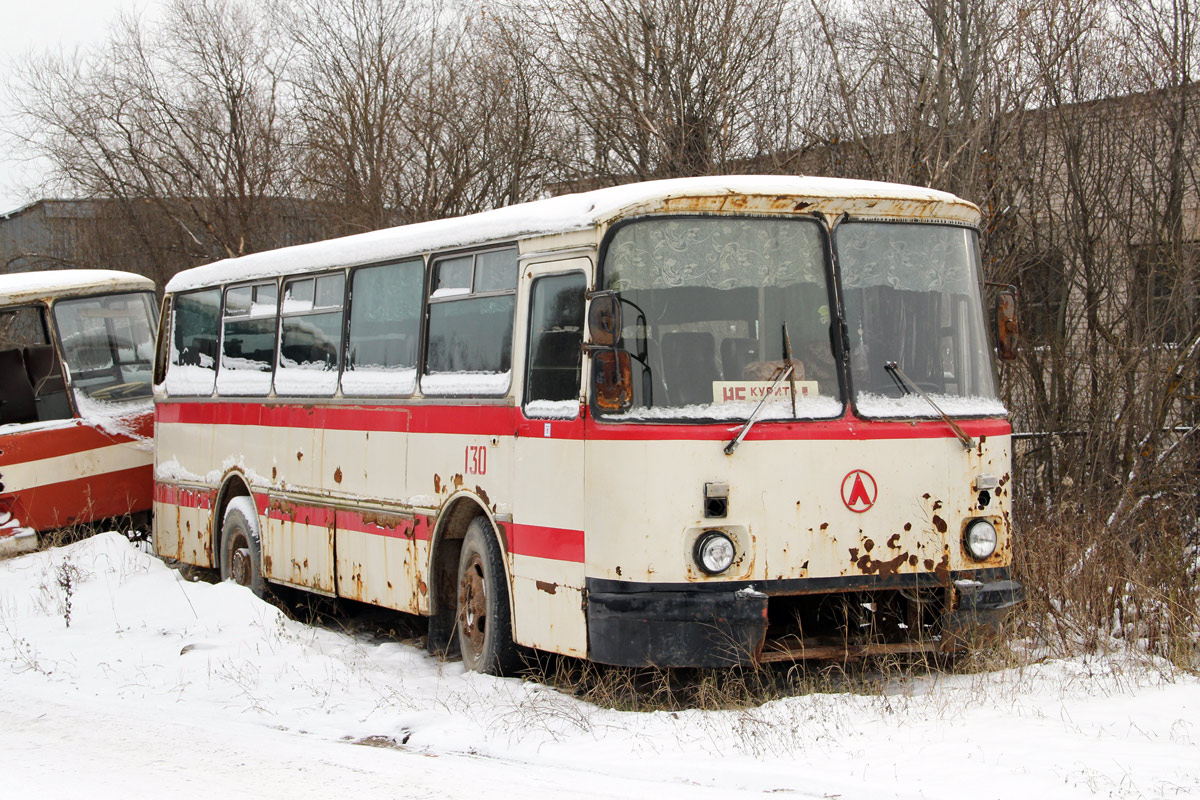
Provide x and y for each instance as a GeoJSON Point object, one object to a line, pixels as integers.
{"type": "Point", "coordinates": [108, 343]}
{"type": "Point", "coordinates": [915, 318]}
{"type": "Point", "coordinates": [710, 307]}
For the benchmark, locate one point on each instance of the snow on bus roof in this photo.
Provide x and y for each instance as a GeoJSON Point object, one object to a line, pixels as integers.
{"type": "Point", "coordinates": [20, 287]}
{"type": "Point", "coordinates": [554, 215]}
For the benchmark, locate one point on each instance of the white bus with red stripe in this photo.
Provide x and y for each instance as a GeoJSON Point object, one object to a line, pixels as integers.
{"type": "Point", "coordinates": [76, 408]}
{"type": "Point", "coordinates": [693, 422]}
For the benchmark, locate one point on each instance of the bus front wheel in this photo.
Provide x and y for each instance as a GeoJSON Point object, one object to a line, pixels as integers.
{"type": "Point", "coordinates": [241, 551]}
{"type": "Point", "coordinates": [484, 624]}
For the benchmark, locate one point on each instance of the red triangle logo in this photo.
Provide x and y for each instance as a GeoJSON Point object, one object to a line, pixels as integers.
{"type": "Point", "coordinates": [858, 495]}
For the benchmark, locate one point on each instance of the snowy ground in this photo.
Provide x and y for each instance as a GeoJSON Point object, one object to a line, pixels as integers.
{"type": "Point", "coordinates": [164, 686]}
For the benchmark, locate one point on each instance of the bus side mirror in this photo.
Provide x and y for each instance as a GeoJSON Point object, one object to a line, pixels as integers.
{"type": "Point", "coordinates": [604, 318]}
{"type": "Point", "coordinates": [612, 378]}
{"type": "Point", "coordinates": [1007, 329]}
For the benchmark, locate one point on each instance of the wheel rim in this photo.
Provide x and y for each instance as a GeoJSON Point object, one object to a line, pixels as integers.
{"type": "Point", "coordinates": [472, 606]}
{"type": "Point", "coordinates": [240, 568]}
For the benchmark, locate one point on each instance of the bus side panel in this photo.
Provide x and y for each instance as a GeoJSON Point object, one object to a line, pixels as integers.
{"type": "Point", "coordinates": [381, 556]}
{"type": "Point", "coordinates": [381, 559]}
{"type": "Point", "coordinates": [298, 545]}
{"type": "Point", "coordinates": [73, 473]}
{"type": "Point", "coordinates": [181, 524]}
{"type": "Point", "coordinates": [167, 522]}
{"type": "Point", "coordinates": [183, 458]}
{"type": "Point", "coordinates": [546, 545]}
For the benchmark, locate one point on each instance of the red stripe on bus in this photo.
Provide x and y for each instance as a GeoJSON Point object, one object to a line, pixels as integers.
{"type": "Point", "coordinates": [560, 544]}
{"type": "Point", "coordinates": [509, 421]}
{"type": "Point", "coordinates": [845, 429]}
{"type": "Point", "coordinates": [71, 502]}
{"type": "Point", "coordinates": [19, 446]}
{"type": "Point", "coordinates": [184, 498]}
{"type": "Point", "coordinates": [481, 420]}
{"type": "Point", "coordinates": [384, 524]}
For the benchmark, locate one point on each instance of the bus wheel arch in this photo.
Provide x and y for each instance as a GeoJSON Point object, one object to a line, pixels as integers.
{"type": "Point", "coordinates": [234, 484]}
{"type": "Point", "coordinates": [449, 533]}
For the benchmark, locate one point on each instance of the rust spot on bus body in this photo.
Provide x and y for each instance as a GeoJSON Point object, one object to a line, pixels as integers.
{"type": "Point", "coordinates": [284, 507]}
{"type": "Point", "coordinates": [942, 570]}
{"type": "Point", "coordinates": [547, 587]}
{"type": "Point", "coordinates": [869, 566]}
{"type": "Point", "coordinates": [437, 483]}
{"type": "Point", "coordinates": [483, 496]}
{"type": "Point", "coordinates": [894, 541]}
{"type": "Point", "coordinates": [337, 475]}
{"type": "Point", "coordinates": [458, 481]}
{"type": "Point", "coordinates": [382, 519]}
{"type": "Point", "coordinates": [939, 523]}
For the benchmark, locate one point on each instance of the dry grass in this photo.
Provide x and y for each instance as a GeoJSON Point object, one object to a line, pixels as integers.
{"type": "Point", "coordinates": [745, 687]}
{"type": "Point", "coordinates": [1092, 590]}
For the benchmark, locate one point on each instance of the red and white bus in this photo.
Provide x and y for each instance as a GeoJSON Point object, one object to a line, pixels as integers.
{"type": "Point", "coordinates": [76, 406]}
{"type": "Point", "coordinates": [691, 422]}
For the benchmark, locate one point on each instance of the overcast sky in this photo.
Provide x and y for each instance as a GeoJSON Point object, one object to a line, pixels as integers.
{"type": "Point", "coordinates": [41, 25]}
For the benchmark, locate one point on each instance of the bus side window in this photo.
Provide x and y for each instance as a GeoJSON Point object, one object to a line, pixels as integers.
{"type": "Point", "coordinates": [195, 328]}
{"type": "Point", "coordinates": [310, 339]}
{"type": "Point", "coordinates": [555, 354]}
{"type": "Point", "coordinates": [385, 326]}
{"type": "Point", "coordinates": [472, 302]}
{"type": "Point", "coordinates": [248, 340]}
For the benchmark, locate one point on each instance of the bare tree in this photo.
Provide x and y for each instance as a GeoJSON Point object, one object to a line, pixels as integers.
{"type": "Point", "coordinates": [353, 79]}
{"type": "Point", "coordinates": [657, 88]}
{"type": "Point", "coordinates": [183, 117]}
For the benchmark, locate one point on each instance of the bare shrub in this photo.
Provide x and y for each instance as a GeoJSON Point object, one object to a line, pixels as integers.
{"type": "Point", "coordinates": [1093, 593]}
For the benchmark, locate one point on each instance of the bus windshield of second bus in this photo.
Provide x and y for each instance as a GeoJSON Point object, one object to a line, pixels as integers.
{"type": "Point", "coordinates": [108, 344]}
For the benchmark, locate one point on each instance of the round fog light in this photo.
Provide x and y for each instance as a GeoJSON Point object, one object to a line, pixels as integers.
{"type": "Point", "coordinates": [714, 552]}
{"type": "Point", "coordinates": [980, 539]}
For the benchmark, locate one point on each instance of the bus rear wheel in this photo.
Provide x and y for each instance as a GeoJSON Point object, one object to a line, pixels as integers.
{"type": "Point", "coordinates": [483, 619]}
{"type": "Point", "coordinates": [241, 549]}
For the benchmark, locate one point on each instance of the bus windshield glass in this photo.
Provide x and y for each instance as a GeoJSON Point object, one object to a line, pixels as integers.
{"type": "Point", "coordinates": [108, 344]}
{"type": "Point", "coordinates": [710, 307]}
{"type": "Point", "coordinates": [915, 318]}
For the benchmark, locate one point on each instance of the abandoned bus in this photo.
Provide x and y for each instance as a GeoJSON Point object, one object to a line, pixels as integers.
{"type": "Point", "coordinates": [698, 422]}
{"type": "Point", "coordinates": [76, 407]}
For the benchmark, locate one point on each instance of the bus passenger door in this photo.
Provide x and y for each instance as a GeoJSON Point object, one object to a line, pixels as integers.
{"type": "Point", "coordinates": [546, 535]}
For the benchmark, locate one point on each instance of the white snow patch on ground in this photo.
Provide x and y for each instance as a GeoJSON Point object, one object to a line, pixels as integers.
{"type": "Point", "coordinates": [164, 687]}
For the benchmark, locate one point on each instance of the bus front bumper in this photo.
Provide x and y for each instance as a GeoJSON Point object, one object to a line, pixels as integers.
{"type": "Point", "coordinates": [671, 625]}
{"type": "Point", "coordinates": [676, 628]}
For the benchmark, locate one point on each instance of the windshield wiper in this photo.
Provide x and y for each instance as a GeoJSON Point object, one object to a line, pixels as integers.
{"type": "Point", "coordinates": [901, 379]}
{"type": "Point", "coordinates": [729, 448]}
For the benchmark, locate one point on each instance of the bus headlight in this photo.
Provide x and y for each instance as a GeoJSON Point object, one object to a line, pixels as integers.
{"type": "Point", "coordinates": [980, 539]}
{"type": "Point", "coordinates": [714, 552]}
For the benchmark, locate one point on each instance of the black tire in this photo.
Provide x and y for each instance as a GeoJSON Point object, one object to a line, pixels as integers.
{"type": "Point", "coordinates": [241, 550]}
{"type": "Point", "coordinates": [484, 623]}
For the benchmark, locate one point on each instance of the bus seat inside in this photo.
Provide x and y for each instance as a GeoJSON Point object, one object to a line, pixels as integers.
{"type": "Point", "coordinates": [554, 371]}
{"type": "Point", "coordinates": [46, 377]}
{"type": "Point", "coordinates": [689, 367]}
{"type": "Point", "coordinates": [736, 353]}
{"type": "Point", "coordinates": [16, 392]}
